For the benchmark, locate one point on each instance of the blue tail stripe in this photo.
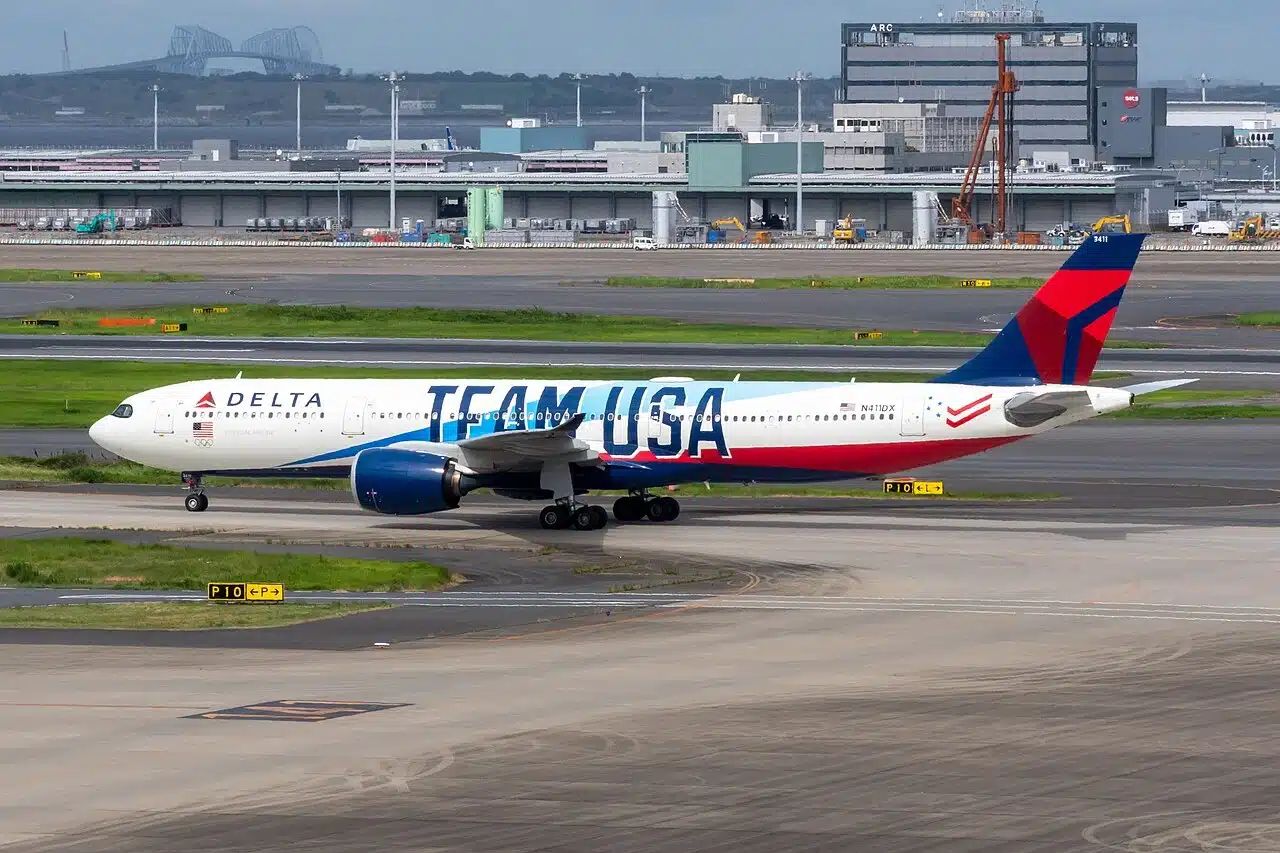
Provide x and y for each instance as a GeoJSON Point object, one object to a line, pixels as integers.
{"type": "Point", "coordinates": [1106, 252]}
{"type": "Point", "coordinates": [1075, 331]}
{"type": "Point", "coordinates": [1004, 361]}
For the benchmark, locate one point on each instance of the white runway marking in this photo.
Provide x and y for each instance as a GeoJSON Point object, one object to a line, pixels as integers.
{"type": "Point", "coordinates": [827, 604]}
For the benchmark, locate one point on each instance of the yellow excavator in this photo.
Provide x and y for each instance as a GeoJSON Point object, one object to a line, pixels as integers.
{"type": "Point", "coordinates": [1112, 224]}
{"type": "Point", "coordinates": [733, 220]}
{"type": "Point", "coordinates": [756, 237]}
{"type": "Point", "coordinates": [1253, 228]}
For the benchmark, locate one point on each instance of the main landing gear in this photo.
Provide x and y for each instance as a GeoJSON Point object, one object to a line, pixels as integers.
{"type": "Point", "coordinates": [645, 507]}
{"type": "Point", "coordinates": [197, 500]}
{"type": "Point", "coordinates": [559, 516]}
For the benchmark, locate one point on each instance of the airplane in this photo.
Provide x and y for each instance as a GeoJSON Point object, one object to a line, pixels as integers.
{"type": "Point", "coordinates": [419, 446]}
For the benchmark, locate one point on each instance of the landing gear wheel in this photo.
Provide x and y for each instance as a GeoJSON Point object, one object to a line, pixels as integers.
{"type": "Point", "coordinates": [656, 510]}
{"type": "Point", "coordinates": [601, 517]}
{"type": "Point", "coordinates": [629, 508]}
{"type": "Point", "coordinates": [197, 503]}
{"type": "Point", "coordinates": [553, 517]}
{"type": "Point", "coordinates": [584, 518]}
{"type": "Point", "coordinates": [671, 508]}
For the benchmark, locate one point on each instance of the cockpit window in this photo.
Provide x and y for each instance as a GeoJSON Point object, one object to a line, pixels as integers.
{"type": "Point", "coordinates": [124, 410]}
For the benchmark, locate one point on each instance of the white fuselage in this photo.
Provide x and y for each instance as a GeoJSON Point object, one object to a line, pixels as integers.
{"type": "Point", "coordinates": [684, 431]}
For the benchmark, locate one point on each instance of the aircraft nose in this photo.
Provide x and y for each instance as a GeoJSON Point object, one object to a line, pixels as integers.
{"type": "Point", "coordinates": [99, 432]}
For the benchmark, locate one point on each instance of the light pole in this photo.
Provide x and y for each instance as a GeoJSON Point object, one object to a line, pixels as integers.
{"type": "Point", "coordinates": [155, 117]}
{"type": "Point", "coordinates": [298, 78]}
{"type": "Point", "coordinates": [577, 78]}
{"type": "Point", "coordinates": [644, 90]}
{"type": "Point", "coordinates": [799, 78]}
{"type": "Point", "coordinates": [1272, 146]}
{"type": "Point", "coordinates": [394, 80]}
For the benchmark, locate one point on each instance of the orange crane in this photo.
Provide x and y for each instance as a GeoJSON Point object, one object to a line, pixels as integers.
{"type": "Point", "coordinates": [1001, 109]}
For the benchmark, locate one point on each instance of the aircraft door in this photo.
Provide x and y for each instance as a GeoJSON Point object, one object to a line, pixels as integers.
{"type": "Point", "coordinates": [911, 415]}
{"type": "Point", "coordinates": [164, 417]}
{"type": "Point", "coordinates": [353, 417]}
{"type": "Point", "coordinates": [654, 425]}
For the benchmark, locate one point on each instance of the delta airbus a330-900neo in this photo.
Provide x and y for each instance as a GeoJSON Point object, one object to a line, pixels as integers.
{"type": "Point", "coordinates": [412, 447]}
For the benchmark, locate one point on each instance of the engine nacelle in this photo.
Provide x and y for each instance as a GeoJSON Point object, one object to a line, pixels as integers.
{"type": "Point", "coordinates": [406, 482]}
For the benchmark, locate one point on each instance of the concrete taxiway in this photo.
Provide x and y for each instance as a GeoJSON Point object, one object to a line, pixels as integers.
{"type": "Point", "coordinates": [885, 684]}
{"type": "Point", "coordinates": [256, 262]}
{"type": "Point", "coordinates": [439, 353]}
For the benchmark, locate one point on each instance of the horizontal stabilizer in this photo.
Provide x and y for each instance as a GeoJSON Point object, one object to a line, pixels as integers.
{"type": "Point", "coordinates": [1152, 387]}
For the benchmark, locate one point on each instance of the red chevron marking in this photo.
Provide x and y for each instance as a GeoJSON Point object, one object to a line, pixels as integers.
{"type": "Point", "coordinates": [966, 406]}
{"type": "Point", "coordinates": [962, 421]}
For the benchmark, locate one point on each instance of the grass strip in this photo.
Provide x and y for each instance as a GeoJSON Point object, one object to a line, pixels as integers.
{"type": "Point", "coordinates": [21, 275]}
{"type": "Point", "coordinates": [1204, 404]}
{"type": "Point", "coordinates": [818, 282]}
{"type": "Point", "coordinates": [59, 562]}
{"type": "Point", "coordinates": [176, 616]}
{"type": "Point", "coordinates": [295, 321]}
{"type": "Point", "coordinates": [1267, 319]}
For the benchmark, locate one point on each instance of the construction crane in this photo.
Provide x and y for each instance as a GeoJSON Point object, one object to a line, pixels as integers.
{"type": "Point", "coordinates": [1001, 109]}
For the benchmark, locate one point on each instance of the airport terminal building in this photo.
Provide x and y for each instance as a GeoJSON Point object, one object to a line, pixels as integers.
{"type": "Point", "coordinates": [709, 191]}
{"type": "Point", "coordinates": [1060, 67]}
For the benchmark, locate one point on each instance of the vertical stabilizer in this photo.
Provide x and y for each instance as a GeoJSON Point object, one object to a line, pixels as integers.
{"type": "Point", "coordinates": [1057, 336]}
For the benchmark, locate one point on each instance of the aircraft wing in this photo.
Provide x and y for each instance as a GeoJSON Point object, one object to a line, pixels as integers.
{"type": "Point", "coordinates": [526, 448]}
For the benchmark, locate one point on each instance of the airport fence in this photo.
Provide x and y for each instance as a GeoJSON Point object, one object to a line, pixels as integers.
{"type": "Point", "coordinates": [680, 247]}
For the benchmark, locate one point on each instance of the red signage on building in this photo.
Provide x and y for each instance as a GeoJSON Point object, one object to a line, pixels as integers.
{"type": "Point", "coordinates": [1132, 98]}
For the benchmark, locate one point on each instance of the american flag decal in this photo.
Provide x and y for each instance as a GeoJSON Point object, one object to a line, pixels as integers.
{"type": "Point", "coordinates": [202, 429]}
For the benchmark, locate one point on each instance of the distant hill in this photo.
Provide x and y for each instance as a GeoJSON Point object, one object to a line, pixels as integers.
{"type": "Point", "coordinates": [126, 95]}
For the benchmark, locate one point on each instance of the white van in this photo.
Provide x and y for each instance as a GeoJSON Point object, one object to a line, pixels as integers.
{"type": "Point", "coordinates": [1212, 228]}
{"type": "Point", "coordinates": [640, 243]}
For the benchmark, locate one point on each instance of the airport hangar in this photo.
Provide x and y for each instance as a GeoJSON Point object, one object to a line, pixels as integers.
{"type": "Point", "coordinates": [1039, 200]}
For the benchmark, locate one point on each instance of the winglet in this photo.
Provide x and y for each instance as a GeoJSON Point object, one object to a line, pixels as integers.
{"type": "Point", "coordinates": [1058, 335]}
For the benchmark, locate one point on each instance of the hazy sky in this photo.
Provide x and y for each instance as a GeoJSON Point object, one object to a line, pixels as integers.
{"type": "Point", "coordinates": [753, 37]}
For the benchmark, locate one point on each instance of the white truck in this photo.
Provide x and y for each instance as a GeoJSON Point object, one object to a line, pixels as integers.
{"type": "Point", "coordinates": [1212, 228]}
{"type": "Point", "coordinates": [1183, 218]}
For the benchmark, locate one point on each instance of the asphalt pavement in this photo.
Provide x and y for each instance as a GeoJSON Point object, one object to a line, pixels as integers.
{"type": "Point", "coordinates": [437, 353]}
{"type": "Point", "coordinates": [1147, 302]}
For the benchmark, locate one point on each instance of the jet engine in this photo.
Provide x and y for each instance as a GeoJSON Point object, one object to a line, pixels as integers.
{"type": "Point", "coordinates": [406, 482]}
